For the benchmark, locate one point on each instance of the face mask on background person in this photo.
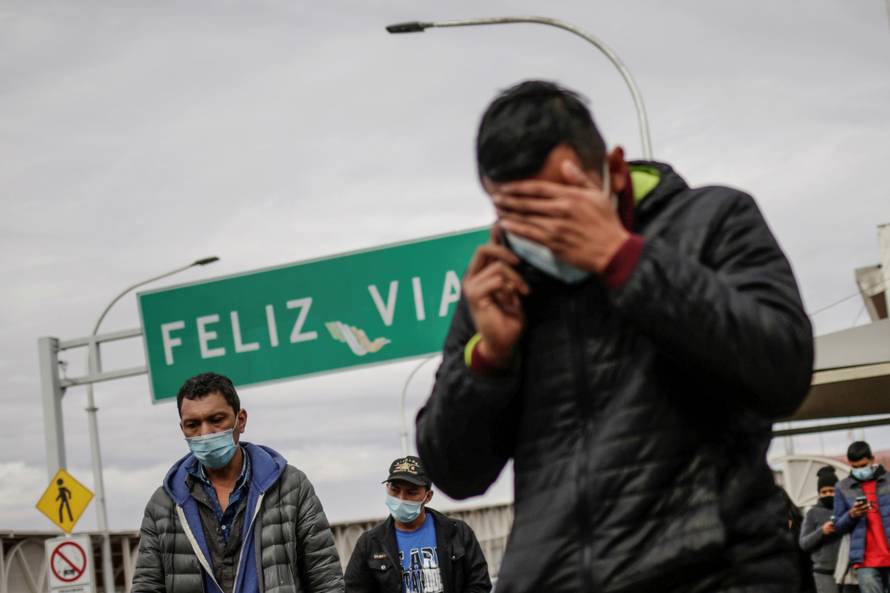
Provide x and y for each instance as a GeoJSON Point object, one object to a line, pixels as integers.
{"type": "Point", "coordinates": [827, 501]}
{"type": "Point", "coordinates": [863, 474]}
{"type": "Point", "coordinates": [213, 450]}
{"type": "Point", "coordinates": [544, 259]}
{"type": "Point", "coordinates": [403, 511]}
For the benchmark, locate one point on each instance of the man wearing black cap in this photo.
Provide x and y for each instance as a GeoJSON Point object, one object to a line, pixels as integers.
{"type": "Point", "coordinates": [818, 536]}
{"type": "Point", "coordinates": [416, 549]}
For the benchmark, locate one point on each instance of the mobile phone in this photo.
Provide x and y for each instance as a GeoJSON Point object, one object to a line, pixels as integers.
{"type": "Point", "coordinates": [861, 499]}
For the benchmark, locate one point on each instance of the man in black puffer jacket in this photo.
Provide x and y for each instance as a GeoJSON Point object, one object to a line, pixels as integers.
{"type": "Point", "coordinates": [627, 341]}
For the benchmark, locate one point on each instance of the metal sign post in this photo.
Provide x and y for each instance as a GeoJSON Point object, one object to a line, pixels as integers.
{"type": "Point", "coordinates": [51, 392]}
{"type": "Point", "coordinates": [52, 387]}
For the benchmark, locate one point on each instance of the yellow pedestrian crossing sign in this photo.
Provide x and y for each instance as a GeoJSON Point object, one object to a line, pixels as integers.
{"type": "Point", "coordinates": [64, 500]}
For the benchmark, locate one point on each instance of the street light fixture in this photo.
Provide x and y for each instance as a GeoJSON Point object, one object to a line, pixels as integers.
{"type": "Point", "coordinates": [93, 366]}
{"type": "Point", "coordinates": [642, 119]}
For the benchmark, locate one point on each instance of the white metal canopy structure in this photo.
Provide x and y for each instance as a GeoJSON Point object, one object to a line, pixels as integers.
{"type": "Point", "coordinates": [852, 377]}
{"type": "Point", "coordinates": [797, 474]}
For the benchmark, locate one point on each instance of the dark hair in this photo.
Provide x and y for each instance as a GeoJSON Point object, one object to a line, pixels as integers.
{"type": "Point", "coordinates": [825, 477]}
{"type": "Point", "coordinates": [525, 122]}
{"type": "Point", "coordinates": [858, 450]}
{"type": "Point", "coordinates": [205, 384]}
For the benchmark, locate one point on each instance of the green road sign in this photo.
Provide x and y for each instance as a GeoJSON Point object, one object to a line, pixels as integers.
{"type": "Point", "coordinates": [355, 309]}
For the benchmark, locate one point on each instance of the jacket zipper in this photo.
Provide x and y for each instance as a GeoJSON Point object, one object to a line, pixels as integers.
{"type": "Point", "coordinates": [577, 351]}
{"type": "Point", "coordinates": [202, 560]}
{"type": "Point", "coordinates": [256, 511]}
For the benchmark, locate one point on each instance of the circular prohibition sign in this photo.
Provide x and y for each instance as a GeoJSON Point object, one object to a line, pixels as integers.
{"type": "Point", "coordinates": [68, 562]}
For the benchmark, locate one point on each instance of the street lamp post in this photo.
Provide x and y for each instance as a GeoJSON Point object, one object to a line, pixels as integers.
{"type": "Point", "coordinates": [404, 395]}
{"type": "Point", "coordinates": [93, 368]}
{"type": "Point", "coordinates": [642, 119]}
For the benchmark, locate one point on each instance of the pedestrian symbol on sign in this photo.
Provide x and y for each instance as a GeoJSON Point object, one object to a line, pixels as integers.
{"type": "Point", "coordinates": [64, 499]}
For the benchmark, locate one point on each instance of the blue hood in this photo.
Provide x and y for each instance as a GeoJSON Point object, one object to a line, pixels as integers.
{"type": "Point", "coordinates": [266, 466]}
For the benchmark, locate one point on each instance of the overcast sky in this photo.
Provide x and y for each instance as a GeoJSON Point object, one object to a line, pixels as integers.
{"type": "Point", "coordinates": [138, 136]}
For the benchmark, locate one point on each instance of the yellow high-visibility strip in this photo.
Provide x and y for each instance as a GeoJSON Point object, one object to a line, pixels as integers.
{"type": "Point", "coordinates": [468, 350]}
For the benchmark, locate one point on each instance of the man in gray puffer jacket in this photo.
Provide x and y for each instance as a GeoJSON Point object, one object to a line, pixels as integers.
{"type": "Point", "coordinates": [231, 516]}
{"type": "Point", "coordinates": [818, 536]}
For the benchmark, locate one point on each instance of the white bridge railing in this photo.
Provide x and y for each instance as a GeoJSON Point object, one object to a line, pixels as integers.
{"type": "Point", "coordinates": [23, 566]}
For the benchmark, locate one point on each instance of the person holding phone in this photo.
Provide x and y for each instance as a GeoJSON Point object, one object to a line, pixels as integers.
{"type": "Point", "coordinates": [818, 536]}
{"type": "Point", "coordinates": [862, 508]}
{"type": "Point", "coordinates": [627, 340]}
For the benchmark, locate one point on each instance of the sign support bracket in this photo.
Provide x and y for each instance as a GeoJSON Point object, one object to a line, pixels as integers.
{"type": "Point", "coordinates": [53, 386]}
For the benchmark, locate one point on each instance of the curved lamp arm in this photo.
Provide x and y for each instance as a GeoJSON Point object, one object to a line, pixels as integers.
{"type": "Point", "coordinates": [201, 262]}
{"type": "Point", "coordinates": [642, 118]}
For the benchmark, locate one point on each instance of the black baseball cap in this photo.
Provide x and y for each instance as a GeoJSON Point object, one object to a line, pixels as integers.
{"type": "Point", "coordinates": [408, 469]}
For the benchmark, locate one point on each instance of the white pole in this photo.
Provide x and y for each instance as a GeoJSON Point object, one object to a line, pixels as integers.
{"type": "Point", "coordinates": [93, 367]}
{"type": "Point", "coordinates": [404, 395]}
{"type": "Point", "coordinates": [884, 241]}
{"type": "Point", "coordinates": [98, 480]}
{"type": "Point", "coordinates": [51, 394]}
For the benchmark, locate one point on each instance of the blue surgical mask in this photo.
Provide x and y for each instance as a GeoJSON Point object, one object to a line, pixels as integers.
{"type": "Point", "coordinates": [213, 450]}
{"type": "Point", "coordinates": [544, 259]}
{"type": "Point", "coordinates": [403, 511]}
{"type": "Point", "coordinates": [863, 474]}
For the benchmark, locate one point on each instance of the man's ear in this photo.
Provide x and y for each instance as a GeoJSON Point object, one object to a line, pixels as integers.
{"type": "Point", "coordinates": [618, 169]}
{"type": "Point", "coordinates": [488, 185]}
{"type": "Point", "coordinates": [241, 421]}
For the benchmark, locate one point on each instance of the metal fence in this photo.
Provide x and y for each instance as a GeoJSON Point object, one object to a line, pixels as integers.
{"type": "Point", "coordinates": [23, 567]}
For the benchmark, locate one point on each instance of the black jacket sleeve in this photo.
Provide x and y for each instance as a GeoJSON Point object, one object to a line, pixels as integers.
{"type": "Point", "coordinates": [466, 417]}
{"type": "Point", "coordinates": [358, 576]}
{"type": "Point", "coordinates": [735, 315]}
{"type": "Point", "coordinates": [475, 566]}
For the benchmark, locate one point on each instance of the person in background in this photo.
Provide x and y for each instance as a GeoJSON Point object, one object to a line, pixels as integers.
{"type": "Point", "coordinates": [862, 508]}
{"type": "Point", "coordinates": [818, 536]}
{"type": "Point", "coordinates": [416, 549]}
